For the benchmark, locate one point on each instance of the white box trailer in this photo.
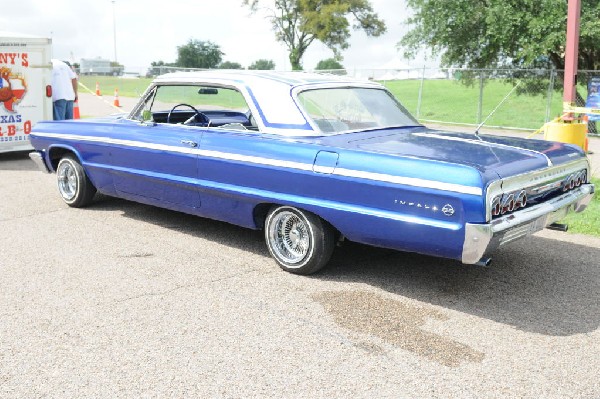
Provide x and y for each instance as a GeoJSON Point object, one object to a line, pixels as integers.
{"type": "Point", "coordinates": [25, 87]}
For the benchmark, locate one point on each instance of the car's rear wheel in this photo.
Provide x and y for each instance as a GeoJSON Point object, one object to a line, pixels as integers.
{"type": "Point", "coordinates": [74, 186]}
{"type": "Point", "coordinates": [299, 241]}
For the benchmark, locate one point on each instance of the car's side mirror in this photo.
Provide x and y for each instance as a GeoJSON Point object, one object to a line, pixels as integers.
{"type": "Point", "coordinates": [146, 118]}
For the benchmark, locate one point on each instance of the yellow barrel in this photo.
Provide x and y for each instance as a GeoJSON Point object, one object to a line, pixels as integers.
{"type": "Point", "coordinates": [573, 133]}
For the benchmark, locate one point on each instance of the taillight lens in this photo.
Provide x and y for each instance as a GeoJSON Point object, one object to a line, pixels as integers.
{"type": "Point", "coordinates": [521, 199]}
{"type": "Point", "coordinates": [496, 206]}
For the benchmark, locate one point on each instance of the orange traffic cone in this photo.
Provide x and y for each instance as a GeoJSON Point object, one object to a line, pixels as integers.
{"type": "Point", "coordinates": [586, 148]}
{"type": "Point", "coordinates": [586, 120]}
{"type": "Point", "coordinates": [116, 100]}
{"type": "Point", "coordinates": [76, 110]}
{"type": "Point", "coordinates": [98, 89]}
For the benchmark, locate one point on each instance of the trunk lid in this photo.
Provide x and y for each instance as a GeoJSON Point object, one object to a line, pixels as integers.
{"type": "Point", "coordinates": [506, 156]}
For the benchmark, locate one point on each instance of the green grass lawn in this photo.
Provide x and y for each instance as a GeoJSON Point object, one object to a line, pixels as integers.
{"type": "Point", "coordinates": [136, 87]}
{"type": "Point", "coordinates": [451, 101]}
{"type": "Point", "coordinates": [108, 84]}
{"type": "Point", "coordinates": [588, 221]}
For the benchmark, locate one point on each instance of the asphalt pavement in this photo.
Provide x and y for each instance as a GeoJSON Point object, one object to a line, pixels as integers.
{"type": "Point", "coordinates": [126, 300]}
{"type": "Point", "coordinates": [91, 105]}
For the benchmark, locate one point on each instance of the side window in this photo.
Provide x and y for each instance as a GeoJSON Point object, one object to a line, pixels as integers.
{"type": "Point", "coordinates": [198, 105]}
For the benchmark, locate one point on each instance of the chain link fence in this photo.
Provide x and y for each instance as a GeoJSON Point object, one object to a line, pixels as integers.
{"type": "Point", "coordinates": [503, 98]}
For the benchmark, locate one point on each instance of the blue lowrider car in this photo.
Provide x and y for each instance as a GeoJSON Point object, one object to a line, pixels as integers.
{"type": "Point", "coordinates": [313, 160]}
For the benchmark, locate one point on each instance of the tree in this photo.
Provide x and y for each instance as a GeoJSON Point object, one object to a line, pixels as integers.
{"type": "Point", "coordinates": [328, 64]}
{"type": "Point", "coordinates": [161, 63]}
{"type": "Point", "coordinates": [262, 65]}
{"type": "Point", "coordinates": [199, 54]}
{"type": "Point", "coordinates": [230, 65]}
{"type": "Point", "coordinates": [298, 23]}
{"type": "Point", "coordinates": [499, 33]}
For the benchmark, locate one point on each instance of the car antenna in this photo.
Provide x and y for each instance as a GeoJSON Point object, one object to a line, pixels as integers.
{"type": "Point", "coordinates": [495, 109]}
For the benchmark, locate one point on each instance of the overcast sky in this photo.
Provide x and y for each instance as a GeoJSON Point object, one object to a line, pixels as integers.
{"type": "Point", "coordinates": [150, 30]}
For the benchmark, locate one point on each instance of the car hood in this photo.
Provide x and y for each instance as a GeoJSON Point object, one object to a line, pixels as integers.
{"type": "Point", "coordinates": [505, 156]}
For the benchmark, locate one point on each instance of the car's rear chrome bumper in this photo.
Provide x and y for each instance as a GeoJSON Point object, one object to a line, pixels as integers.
{"type": "Point", "coordinates": [39, 161]}
{"type": "Point", "coordinates": [481, 239]}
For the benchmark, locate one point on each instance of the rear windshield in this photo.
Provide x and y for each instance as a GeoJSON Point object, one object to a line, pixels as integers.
{"type": "Point", "coordinates": [338, 110]}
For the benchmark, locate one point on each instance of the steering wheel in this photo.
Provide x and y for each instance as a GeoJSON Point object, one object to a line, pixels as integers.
{"type": "Point", "coordinates": [204, 118]}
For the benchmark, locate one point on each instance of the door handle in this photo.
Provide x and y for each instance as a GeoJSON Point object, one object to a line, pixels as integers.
{"type": "Point", "coordinates": [190, 143]}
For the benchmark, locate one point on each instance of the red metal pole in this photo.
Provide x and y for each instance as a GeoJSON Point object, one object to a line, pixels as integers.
{"type": "Point", "coordinates": [571, 52]}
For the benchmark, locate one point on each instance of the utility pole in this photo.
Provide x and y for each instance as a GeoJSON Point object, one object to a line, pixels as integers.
{"type": "Point", "coordinates": [114, 29]}
{"type": "Point", "coordinates": [571, 53]}
{"type": "Point", "coordinates": [571, 129]}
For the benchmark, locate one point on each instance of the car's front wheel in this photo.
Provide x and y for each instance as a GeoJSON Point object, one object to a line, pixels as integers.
{"type": "Point", "coordinates": [74, 186]}
{"type": "Point", "coordinates": [299, 241]}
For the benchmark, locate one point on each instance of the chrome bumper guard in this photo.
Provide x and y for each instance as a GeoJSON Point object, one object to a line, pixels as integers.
{"type": "Point", "coordinates": [481, 239]}
{"type": "Point", "coordinates": [39, 161]}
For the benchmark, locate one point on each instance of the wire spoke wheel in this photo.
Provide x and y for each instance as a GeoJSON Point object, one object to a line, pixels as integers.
{"type": "Point", "coordinates": [300, 242]}
{"type": "Point", "coordinates": [290, 237]}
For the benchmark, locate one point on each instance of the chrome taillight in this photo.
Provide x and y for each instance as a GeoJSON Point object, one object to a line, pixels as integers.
{"type": "Point", "coordinates": [580, 178]}
{"type": "Point", "coordinates": [521, 199]}
{"type": "Point", "coordinates": [566, 184]}
{"type": "Point", "coordinates": [508, 203]}
{"type": "Point", "coordinates": [496, 208]}
{"type": "Point", "coordinates": [513, 201]}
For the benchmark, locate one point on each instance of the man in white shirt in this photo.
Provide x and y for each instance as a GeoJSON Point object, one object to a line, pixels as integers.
{"type": "Point", "coordinates": [64, 90]}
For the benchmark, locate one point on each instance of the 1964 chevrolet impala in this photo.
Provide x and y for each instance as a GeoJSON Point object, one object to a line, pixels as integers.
{"type": "Point", "coordinates": [312, 160]}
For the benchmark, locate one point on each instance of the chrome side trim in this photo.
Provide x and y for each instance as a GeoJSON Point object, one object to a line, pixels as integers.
{"type": "Point", "coordinates": [255, 160]}
{"type": "Point", "coordinates": [126, 143]}
{"type": "Point", "coordinates": [409, 181]}
{"type": "Point", "coordinates": [481, 239]}
{"type": "Point", "coordinates": [39, 161]}
{"type": "Point", "coordinates": [295, 199]}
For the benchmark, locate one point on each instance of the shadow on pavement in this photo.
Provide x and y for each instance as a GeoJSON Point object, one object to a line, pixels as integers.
{"type": "Point", "coordinates": [17, 161]}
{"type": "Point", "coordinates": [537, 285]}
{"type": "Point", "coordinates": [208, 229]}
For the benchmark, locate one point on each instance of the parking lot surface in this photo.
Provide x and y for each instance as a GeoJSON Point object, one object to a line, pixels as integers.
{"type": "Point", "coordinates": [126, 300]}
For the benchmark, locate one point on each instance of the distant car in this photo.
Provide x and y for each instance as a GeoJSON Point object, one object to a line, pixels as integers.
{"type": "Point", "coordinates": [313, 160]}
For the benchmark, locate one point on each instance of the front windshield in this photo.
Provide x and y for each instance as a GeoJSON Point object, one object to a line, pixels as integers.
{"type": "Point", "coordinates": [338, 110]}
{"type": "Point", "coordinates": [201, 97]}
{"type": "Point", "coordinates": [197, 106]}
